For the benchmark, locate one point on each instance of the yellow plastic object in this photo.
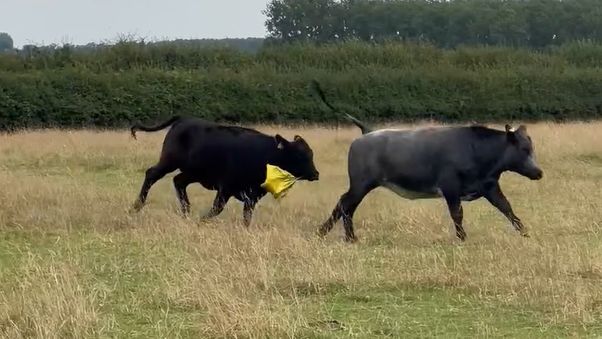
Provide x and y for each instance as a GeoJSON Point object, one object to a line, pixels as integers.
{"type": "Point", "coordinates": [278, 181]}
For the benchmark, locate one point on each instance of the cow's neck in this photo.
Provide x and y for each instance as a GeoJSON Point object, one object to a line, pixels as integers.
{"type": "Point", "coordinates": [490, 153]}
{"type": "Point", "coordinates": [277, 159]}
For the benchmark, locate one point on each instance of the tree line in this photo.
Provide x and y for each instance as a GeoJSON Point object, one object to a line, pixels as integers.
{"type": "Point", "coordinates": [445, 23]}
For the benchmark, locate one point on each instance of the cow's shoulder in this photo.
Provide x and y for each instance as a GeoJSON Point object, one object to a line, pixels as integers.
{"type": "Point", "coordinates": [238, 130]}
{"type": "Point", "coordinates": [483, 132]}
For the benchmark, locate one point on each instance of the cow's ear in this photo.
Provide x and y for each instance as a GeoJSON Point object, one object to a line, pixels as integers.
{"type": "Point", "coordinates": [510, 134]}
{"type": "Point", "coordinates": [299, 140]}
{"type": "Point", "coordinates": [280, 141]}
{"type": "Point", "coordinates": [522, 129]}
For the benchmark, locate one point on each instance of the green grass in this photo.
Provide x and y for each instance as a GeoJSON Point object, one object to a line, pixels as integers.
{"type": "Point", "coordinates": [125, 272]}
{"type": "Point", "coordinates": [411, 312]}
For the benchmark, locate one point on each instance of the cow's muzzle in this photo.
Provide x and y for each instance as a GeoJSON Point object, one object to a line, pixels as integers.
{"type": "Point", "coordinates": [314, 177]}
{"type": "Point", "coordinates": [536, 175]}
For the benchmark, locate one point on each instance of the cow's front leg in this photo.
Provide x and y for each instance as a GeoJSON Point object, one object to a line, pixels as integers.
{"type": "Point", "coordinates": [221, 198]}
{"type": "Point", "coordinates": [497, 199]}
{"type": "Point", "coordinates": [247, 212]}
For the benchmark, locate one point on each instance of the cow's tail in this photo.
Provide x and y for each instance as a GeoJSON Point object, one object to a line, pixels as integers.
{"type": "Point", "coordinates": [315, 86]}
{"type": "Point", "coordinates": [318, 89]}
{"type": "Point", "coordinates": [365, 129]}
{"type": "Point", "coordinates": [138, 127]}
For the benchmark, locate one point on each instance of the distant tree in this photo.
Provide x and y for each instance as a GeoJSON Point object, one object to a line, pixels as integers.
{"type": "Point", "coordinates": [305, 20]}
{"type": "Point", "coordinates": [6, 42]}
{"type": "Point", "coordinates": [445, 23]}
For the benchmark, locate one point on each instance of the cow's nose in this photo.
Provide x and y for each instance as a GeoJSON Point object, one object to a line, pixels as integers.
{"type": "Point", "coordinates": [316, 176]}
{"type": "Point", "coordinates": [538, 175]}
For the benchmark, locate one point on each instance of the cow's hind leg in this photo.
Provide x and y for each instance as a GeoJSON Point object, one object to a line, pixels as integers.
{"type": "Point", "coordinates": [345, 209]}
{"type": "Point", "coordinates": [181, 182]}
{"type": "Point", "coordinates": [334, 217]}
{"type": "Point", "coordinates": [152, 175]}
{"type": "Point", "coordinates": [456, 212]}
{"type": "Point", "coordinates": [220, 201]}
{"type": "Point", "coordinates": [350, 204]}
{"type": "Point", "coordinates": [450, 189]}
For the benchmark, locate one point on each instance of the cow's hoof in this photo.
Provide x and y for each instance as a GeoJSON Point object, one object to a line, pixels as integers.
{"type": "Point", "coordinates": [351, 240]}
{"type": "Point", "coordinates": [199, 222]}
{"type": "Point", "coordinates": [137, 206]}
{"type": "Point", "coordinates": [321, 232]}
{"type": "Point", "coordinates": [525, 235]}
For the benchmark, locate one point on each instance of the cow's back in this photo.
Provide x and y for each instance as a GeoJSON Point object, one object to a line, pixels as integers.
{"type": "Point", "coordinates": [433, 145]}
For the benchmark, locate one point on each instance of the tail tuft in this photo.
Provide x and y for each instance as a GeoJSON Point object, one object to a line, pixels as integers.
{"type": "Point", "coordinates": [133, 131]}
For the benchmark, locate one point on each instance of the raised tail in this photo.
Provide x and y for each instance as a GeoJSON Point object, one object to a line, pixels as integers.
{"type": "Point", "coordinates": [315, 86]}
{"type": "Point", "coordinates": [363, 127]}
{"type": "Point", "coordinates": [138, 127]}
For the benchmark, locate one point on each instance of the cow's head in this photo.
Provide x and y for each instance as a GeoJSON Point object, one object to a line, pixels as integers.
{"type": "Point", "coordinates": [519, 156]}
{"type": "Point", "coordinates": [297, 158]}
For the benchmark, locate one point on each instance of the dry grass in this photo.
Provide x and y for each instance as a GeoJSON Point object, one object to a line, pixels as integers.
{"type": "Point", "coordinates": [47, 302]}
{"type": "Point", "coordinates": [74, 263]}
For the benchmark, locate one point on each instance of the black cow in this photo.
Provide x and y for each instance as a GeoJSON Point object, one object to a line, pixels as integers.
{"type": "Point", "coordinates": [229, 159]}
{"type": "Point", "coordinates": [456, 163]}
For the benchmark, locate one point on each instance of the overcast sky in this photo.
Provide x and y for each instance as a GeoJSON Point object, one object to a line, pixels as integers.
{"type": "Point", "coordinates": [83, 21]}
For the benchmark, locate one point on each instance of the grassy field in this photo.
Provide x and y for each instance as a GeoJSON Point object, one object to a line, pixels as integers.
{"type": "Point", "coordinates": [74, 262]}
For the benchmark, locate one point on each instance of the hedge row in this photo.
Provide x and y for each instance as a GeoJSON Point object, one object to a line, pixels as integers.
{"type": "Point", "coordinates": [509, 86]}
{"type": "Point", "coordinates": [168, 56]}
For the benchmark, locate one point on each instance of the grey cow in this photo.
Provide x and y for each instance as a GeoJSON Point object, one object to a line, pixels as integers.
{"type": "Point", "coordinates": [456, 163]}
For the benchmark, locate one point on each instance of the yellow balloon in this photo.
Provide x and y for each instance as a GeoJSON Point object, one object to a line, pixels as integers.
{"type": "Point", "coordinates": [278, 181]}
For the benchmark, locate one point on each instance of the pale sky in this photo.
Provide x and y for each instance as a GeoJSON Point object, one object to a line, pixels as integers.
{"type": "Point", "coordinates": [82, 21]}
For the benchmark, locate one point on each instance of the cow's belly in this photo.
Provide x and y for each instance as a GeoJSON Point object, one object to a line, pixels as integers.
{"type": "Point", "coordinates": [429, 193]}
{"type": "Point", "coordinates": [220, 177]}
{"type": "Point", "coordinates": [471, 195]}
